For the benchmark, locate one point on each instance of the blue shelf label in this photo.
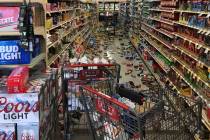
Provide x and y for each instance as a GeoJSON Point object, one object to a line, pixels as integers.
{"type": "Point", "coordinates": [12, 53]}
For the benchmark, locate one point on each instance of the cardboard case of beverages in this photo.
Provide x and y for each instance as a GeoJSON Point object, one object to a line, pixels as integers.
{"type": "Point", "coordinates": [7, 132]}
{"type": "Point", "coordinates": [17, 80]}
{"type": "Point", "coordinates": [28, 131]}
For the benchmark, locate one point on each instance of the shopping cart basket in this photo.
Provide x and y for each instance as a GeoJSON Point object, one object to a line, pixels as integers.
{"type": "Point", "coordinates": [102, 77]}
{"type": "Point", "coordinates": [110, 119]}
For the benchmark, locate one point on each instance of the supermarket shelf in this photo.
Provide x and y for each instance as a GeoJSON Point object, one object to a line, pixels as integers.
{"type": "Point", "coordinates": [200, 30]}
{"type": "Point", "coordinates": [192, 12]}
{"type": "Point", "coordinates": [205, 99]}
{"type": "Point", "coordinates": [59, 11]}
{"type": "Point", "coordinates": [205, 120]}
{"type": "Point", "coordinates": [204, 117]}
{"type": "Point", "coordinates": [161, 10]}
{"type": "Point", "coordinates": [33, 63]}
{"type": "Point", "coordinates": [155, 37]}
{"type": "Point", "coordinates": [180, 11]}
{"type": "Point", "coordinates": [187, 99]}
{"type": "Point", "coordinates": [186, 25]}
{"type": "Point", "coordinates": [36, 60]}
{"type": "Point", "coordinates": [53, 44]}
{"type": "Point", "coordinates": [10, 33]}
{"type": "Point", "coordinates": [184, 64]}
{"type": "Point", "coordinates": [174, 86]}
{"type": "Point", "coordinates": [87, 35]}
{"type": "Point", "coordinates": [83, 40]}
{"type": "Point", "coordinates": [39, 30]}
{"type": "Point", "coordinates": [78, 8]}
{"type": "Point", "coordinates": [162, 20]}
{"type": "Point", "coordinates": [197, 43]}
{"type": "Point", "coordinates": [197, 137]}
{"type": "Point", "coordinates": [193, 56]}
{"type": "Point", "coordinates": [60, 24]}
{"type": "Point", "coordinates": [164, 67]}
{"type": "Point", "coordinates": [157, 47]}
{"type": "Point", "coordinates": [57, 41]}
{"type": "Point", "coordinates": [53, 58]}
{"type": "Point", "coordinates": [159, 30]}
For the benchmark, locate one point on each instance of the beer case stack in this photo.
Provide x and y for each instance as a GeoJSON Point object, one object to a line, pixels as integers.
{"type": "Point", "coordinates": [31, 115]}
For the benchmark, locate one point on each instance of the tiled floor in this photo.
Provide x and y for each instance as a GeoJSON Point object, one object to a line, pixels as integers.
{"type": "Point", "coordinates": [122, 61]}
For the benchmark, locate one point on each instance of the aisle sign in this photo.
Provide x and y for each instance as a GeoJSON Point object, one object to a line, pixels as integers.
{"type": "Point", "coordinates": [12, 53]}
{"type": "Point", "coordinates": [19, 108]}
{"type": "Point", "coordinates": [9, 19]}
{"type": "Point", "coordinates": [90, 74]}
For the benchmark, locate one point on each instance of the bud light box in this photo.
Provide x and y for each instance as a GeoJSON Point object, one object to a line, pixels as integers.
{"type": "Point", "coordinates": [12, 53]}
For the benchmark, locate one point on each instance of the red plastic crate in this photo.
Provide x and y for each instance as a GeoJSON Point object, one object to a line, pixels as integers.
{"type": "Point", "coordinates": [17, 81]}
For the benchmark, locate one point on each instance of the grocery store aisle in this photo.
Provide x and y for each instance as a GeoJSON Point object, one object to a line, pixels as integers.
{"type": "Point", "coordinates": [116, 51]}
{"type": "Point", "coordinates": [112, 48]}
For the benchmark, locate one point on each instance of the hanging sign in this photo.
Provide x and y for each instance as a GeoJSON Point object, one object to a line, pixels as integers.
{"type": "Point", "coordinates": [9, 19]}
{"type": "Point", "coordinates": [90, 74]}
{"type": "Point", "coordinates": [18, 108]}
{"type": "Point", "coordinates": [12, 53]}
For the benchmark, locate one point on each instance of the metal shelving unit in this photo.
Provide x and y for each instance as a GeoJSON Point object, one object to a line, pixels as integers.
{"type": "Point", "coordinates": [156, 36]}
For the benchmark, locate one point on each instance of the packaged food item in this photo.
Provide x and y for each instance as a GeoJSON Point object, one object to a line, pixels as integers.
{"type": "Point", "coordinates": [49, 23]}
{"type": "Point", "coordinates": [208, 112]}
{"type": "Point", "coordinates": [48, 7]}
{"type": "Point", "coordinates": [17, 80]}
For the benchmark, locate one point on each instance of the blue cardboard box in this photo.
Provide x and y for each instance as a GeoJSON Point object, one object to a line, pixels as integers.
{"type": "Point", "coordinates": [11, 53]}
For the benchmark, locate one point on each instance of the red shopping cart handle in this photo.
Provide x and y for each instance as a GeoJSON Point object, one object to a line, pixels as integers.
{"type": "Point", "coordinates": [112, 100]}
{"type": "Point", "coordinates": [89, 65]}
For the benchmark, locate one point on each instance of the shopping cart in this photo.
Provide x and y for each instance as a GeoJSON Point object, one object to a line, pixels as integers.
{"type": "Point", "coordinates": [93, 105]}
{"type": "Point", "coordinates": [110, 119]}
{"type": "Point", "coordinates": [102, 77]}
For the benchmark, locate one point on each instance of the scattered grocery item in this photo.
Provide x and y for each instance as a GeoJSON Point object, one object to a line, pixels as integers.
{"type": "Point", "coordinates": [129, 71]}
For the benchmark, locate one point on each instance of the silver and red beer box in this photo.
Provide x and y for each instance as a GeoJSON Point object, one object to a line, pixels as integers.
{"type": "Point", "coordinates": [21, 131]}
{"type": "Point", "coordinates": [19, 116]}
